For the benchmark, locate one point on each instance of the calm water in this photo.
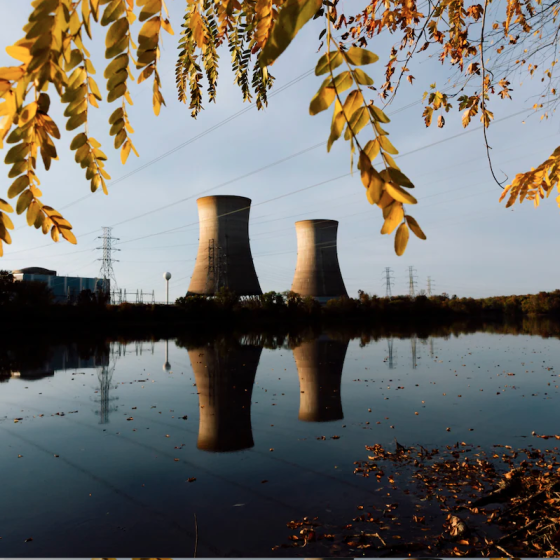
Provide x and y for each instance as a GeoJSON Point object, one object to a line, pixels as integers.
{"type": "Point", "coordinates": [117, 447]}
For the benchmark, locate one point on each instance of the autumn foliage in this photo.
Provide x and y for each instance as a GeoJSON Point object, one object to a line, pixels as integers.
{"type": "Point", "coordinates": [484, 47]}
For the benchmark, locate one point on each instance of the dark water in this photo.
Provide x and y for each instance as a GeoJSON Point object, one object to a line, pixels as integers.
{"type": "Point", "coordinates": [122, 444]}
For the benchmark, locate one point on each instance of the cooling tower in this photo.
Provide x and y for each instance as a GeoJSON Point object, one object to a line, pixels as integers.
{"type": "Point", "coordinates": [224, 379]}
{"type": "Point", "coordinates": [319, 364]}
{"type": "Point", "coordinates": [317, 269]}
{"type": "Point", "coordinates": [224, 253]}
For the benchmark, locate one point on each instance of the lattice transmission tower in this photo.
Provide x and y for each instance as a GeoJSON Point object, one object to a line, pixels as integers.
{"type": "Point", "coordinates": [388, 282]}
{"type": "Point", "coordinates": [430, 286]}
{"type": "Point", "coordinates": [106, 272]}
{"type": "Point", "coordinates": [216, 276]}
{"type": "Point", "coordinates": [411, 281]}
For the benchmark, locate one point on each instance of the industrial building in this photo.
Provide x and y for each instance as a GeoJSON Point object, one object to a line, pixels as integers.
{"type": "Point", "coordinates": [319, 364]}
{"type": "Point", "coordinates": [64, 288]}
{"type": "Point", "coordinates": [224, 379]}
{"type": "Point", "coordinates": [317, 270]}
{"type": "Point", "coordinates": [224, 254]}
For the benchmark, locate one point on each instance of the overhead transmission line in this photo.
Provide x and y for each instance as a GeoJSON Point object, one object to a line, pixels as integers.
{"type": "Point", "coordinates": [416, 150]}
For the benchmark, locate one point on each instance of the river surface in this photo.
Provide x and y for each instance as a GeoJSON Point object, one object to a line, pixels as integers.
{"type": "Point", "coordinates": [132, 449]}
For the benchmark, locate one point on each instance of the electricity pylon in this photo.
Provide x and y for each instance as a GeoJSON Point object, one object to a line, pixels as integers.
{"type": "Point", "coordinates": [388, 282]}
{"type": "Point", "coordinates": [106, 272]}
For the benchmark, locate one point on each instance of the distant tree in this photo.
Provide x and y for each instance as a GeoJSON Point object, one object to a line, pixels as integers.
{"type": "Point", "coordinates": [485, 46]}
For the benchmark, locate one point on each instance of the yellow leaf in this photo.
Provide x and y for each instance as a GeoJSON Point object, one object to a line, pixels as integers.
{"type": "Point", "coordinates": [54, 234]}
{"type": "Point", "coordinates": [76, 121]}
{"type": "Point", "coordinates": [112, 12]}
{"type": "Point", "coordinates": [401, 239]}
{"type": "Point", "coordinates": [116, 79]}
{"type": "Point", "coordinates": [116, 64]}
{"type": "Point", "coordinates": [78, 141]}
{"type": "Point", "coordinates": [125, 151]}
{"type": "Point", "coordinates": [378, 114]}
{"type": "Point", "coordinates": [32, 212]}
{"type": "Point", "coordinates": [116, 32]}
{"type": "Point", "coordinates": [24, 201]}
{"type": "Point", "coordinates": [149, 30]}
{"type": "Point", "coordinates": [399, 177]}
{"type": "Point", "coordinates": [293, 15]}
{"type": "Point", "coordinates": [167, 26]}
{"type": "Point", "coordinates": [343, 81]}
{"type": "Point", "coordinates": [18, 186]}
{"type": "Point", "coordinates": [146, 73]}
{"type": "Point", "coordinates": [5, 207]}
{"type": "Point", "coordinates": [7, 221]}
{"type": "Point", "coordinates": [394, 218]}
{"type": "Point", "coordinates": [117, 92]}
{"type": "Point", "coordinates": [385, 200]}
{"type": "Point", "coordinates": [362, 78]}
{"type": "Point", "coordinates": [95, 183]}
{"type": "Point", "coordinates": [389, 160]}
{"type": "Point", "coordinates": [12, 73]}
{"type": "Point", "coordinates": [360, 57]}
{"type": "Point", "coordinates": [372, 182]}
{"type": "Point", "coordinates": [151, 7]}
{"type": "Point", "coordinates": [323, 65]}
{"type": "Point", "coordinates": [76, 107]}
{"type": "Point", "coordinates": [386, 145]}
{"type": "Point", "coordinates": [16, 153]}
{"type": "Point", "coordinates": [322, 99]}
{"type": "Point", "coordinates": [359, 119]}
{"type": "Point", "coordinates": [413, 224]}
{"type": "Point", "coordinates": [337, 125]}
{"type": "Point", "coordinates": [398, 193]}
{"type": "Point", "coordinates": [77, 78]}
{"type": "Point", "coordinates": [94, 89]}
{"type": "Point", "coordinates": [354, 100]}
{"type": "Point", "coordinates": [19, 53]}
{"type": "Point", "coordinates": [69, 236]}
{"type": "Point", "coordinates": [4, 235]}
{"type": "Point", "coordinates": [197, 26]}
{"type": "Point", "coordinates": [40, 220]}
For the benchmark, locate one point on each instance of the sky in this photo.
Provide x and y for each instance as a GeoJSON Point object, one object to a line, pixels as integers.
{"type": "Point", "coordinates": [475, 247]}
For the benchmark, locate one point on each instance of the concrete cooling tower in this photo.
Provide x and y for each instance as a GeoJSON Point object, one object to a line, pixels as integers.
{"type": "Point", "coordinates": [319, 364]}
{"type": "Point", "coordinates": [224, 379]}
{"type": "Point", "coordinates": [317, 269]}
{"type": "Point", "coordinates": [224, 254]}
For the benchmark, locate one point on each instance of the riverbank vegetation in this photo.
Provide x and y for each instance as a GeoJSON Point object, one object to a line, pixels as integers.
{"type": "Point", "coordinates": [27, 303]}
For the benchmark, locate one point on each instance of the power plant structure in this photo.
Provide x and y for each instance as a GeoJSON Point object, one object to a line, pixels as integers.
{"type": "Point", "coordinates": [224, 378]}
{"type": "Point", "coordinates": [317, 270]}
{"type": "Point", "coordinates": [224, 253]}
{"type": "Point", "coordinates": [319, 364]}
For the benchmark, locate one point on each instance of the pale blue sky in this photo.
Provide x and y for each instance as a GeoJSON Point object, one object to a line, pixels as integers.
{"type": "Point", "coordinates": [475, 246]}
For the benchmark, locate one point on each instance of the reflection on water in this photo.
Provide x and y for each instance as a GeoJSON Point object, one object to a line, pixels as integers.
{"type": "Point", "coordinates": [224, 378]}
{"type": "Point", "coordinates": [319, 363]}
{"type": "Point", "coordinates": [122, 442]}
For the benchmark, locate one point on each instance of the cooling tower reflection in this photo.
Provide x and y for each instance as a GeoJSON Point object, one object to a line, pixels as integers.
{"type": "Point", "coordinates": [319, 364]}
{"type": "Point", "coordinates": [224, 377]}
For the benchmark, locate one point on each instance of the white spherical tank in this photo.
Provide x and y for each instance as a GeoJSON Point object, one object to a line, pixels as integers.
{"type": "Point", "coordinates": [167, 275]}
